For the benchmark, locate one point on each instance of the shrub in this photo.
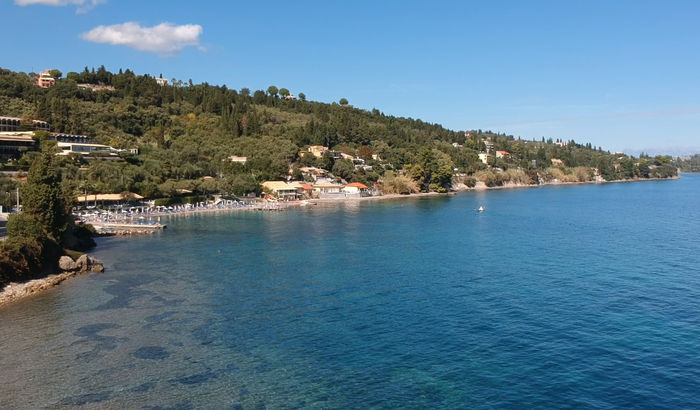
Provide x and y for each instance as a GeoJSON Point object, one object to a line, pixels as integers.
{"type": "Point", "coordinates": [487, 177]}
{"type": "Point", "coordinates": [397, 184]}
{"type": "Point", "coordinates": [583, 174]}
{"type": "Point", "coordinates": [518, 176]}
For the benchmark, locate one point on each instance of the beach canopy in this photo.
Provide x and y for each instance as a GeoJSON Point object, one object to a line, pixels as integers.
{"type": "Point", "coordinates": [124, 196]}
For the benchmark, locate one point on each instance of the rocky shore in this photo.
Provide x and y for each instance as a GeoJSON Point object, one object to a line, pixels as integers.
{"type": "Point", "coordinates": [68, 267]}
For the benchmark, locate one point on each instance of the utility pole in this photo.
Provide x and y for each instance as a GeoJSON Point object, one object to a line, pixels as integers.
{"type": "Point", "coordinates": [17, 199]}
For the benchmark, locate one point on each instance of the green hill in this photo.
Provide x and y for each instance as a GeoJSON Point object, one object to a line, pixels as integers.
{"type": "Point", "coordinates": [186, 131]}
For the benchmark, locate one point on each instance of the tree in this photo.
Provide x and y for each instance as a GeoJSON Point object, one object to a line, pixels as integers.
{"type": "Point", "coordinates": [284, 92]}
{"type": "Point", "coordinates": [302, 96]}
{"type": "Point", "coordinates": [343, 101]}
{"type": "Point", "coordinates": [343, 168]}
{"type": "Point", "coordinates": [55, 73]}
{"type": "Point", "coordinates": [272, 90]}
{"type": "Point", "coordinates": [365, 152]}
{"type": "Point", "coordinates": [43, 197]}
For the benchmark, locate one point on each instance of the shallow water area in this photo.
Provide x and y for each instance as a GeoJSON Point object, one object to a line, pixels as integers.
{"type": "Point", "coordinates": [569, 296]}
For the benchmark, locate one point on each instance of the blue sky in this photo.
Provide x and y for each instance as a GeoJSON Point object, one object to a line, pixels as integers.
{"type": "Point", "coordinates": [623, 75]}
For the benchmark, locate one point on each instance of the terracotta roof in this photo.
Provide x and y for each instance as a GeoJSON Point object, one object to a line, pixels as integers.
{"type": "Point", "coordinates": [307, 187]}
{"type": "Point", "coordinates": [357, 185]}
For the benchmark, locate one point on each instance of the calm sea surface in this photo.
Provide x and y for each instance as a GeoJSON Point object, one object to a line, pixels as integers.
{"type": "Point", "coordinates": [576, 296]}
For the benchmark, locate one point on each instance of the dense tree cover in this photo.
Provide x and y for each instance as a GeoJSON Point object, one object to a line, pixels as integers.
{"type": "Point", "coordinates": [7, 193]}
{"type": "Point", "coordinates": [36, 236]}
{"type": "Point", "coordinates": [185, 133]}
{"type": "Point", "coordinates": [688, 164]}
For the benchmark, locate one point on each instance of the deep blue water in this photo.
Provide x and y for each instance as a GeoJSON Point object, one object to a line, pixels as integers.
{"type": "Point", "coordinates": [576, 296]}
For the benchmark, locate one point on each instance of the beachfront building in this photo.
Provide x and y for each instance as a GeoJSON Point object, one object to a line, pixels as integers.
{"type": "Point", "coordinates": [355, 189]}
{"type": "Point", "coordinates": [286, 191]}
{"type": "Point", "coordinates": [45, 80]}
{"type": "Point", "coordinates": [328, 190]}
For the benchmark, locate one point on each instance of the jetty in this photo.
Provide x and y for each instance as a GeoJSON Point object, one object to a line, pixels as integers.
{"type": "Point", "coordinates": [118, 228]}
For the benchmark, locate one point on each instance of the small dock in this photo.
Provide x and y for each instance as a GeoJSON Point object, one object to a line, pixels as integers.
{"type": "Point", "coordinates": [116, 228]}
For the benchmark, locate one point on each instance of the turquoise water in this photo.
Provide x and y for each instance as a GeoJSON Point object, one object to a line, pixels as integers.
{"type": "Point", "coordinates": [576, 296]}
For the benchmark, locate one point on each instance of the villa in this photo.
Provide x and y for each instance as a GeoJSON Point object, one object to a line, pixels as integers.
{"type": "Point", "coordinates": [45, 80]}
{"type": "Point", "coordinates": [501, 154]}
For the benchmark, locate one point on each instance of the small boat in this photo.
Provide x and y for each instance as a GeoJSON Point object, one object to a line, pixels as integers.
{"type": "Point", "coordinates": [481, 209]}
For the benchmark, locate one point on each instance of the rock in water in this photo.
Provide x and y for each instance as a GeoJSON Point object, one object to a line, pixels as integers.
{"type": "Point", "coordinates": [67, 264]}
{"type": "Point", "coordinates": [83, 263]}
{"type": "Point", "coordinates": [88, 264]}
{"type": "Point", "coordinates": [96, 266]}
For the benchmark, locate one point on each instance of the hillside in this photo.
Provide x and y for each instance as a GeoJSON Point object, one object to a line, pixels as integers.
{"type": "Point", "coordinates": [186, 131]}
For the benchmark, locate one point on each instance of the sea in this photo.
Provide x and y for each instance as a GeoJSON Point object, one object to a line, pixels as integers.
{"type": "Point", "coordinates": [584, 296]}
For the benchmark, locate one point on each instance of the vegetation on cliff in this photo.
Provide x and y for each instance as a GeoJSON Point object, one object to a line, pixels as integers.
{"type": "Point", "coordinates": [38, 235]}
{"type": "Point", "coordinates": [688, 163]}
{"type": "Point", "coordinates": [185, 132]}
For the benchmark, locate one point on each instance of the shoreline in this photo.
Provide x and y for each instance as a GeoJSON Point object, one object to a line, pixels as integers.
{"type": "Point", "coordinates": [17, 291]}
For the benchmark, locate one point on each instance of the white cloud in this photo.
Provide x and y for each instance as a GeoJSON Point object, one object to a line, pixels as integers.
{"type": "Point", "coordinates": [165, 39]}
{"type": "Point", "coordinates": [83, 5]}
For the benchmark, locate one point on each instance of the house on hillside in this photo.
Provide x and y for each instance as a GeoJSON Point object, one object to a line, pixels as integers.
{"type": "Point", "coordinates": [313, 173]}
{"type": "Point", "coordinates": [484, 157]}
{"type": "Point", "coordinates": [103, 151]}
{"type": "Point", "coordinates": [45, 80]}
{"type": "Point", "coordinates": [315, 150]}
{"type": "Point", "coordinates": [502, 154]}
{"type": "Point", "coordinates": [162, 81]}
{"type": "Point", "coordinates": [557, 162]}
{"type": "Point", "coordinates": [9, 124]}
{"type": "Point", "coordinates": [15, 124]}
{"type": "Point", "coordinates": [15, 144]}
{"type": "Point", "coordinates": [237, 159]}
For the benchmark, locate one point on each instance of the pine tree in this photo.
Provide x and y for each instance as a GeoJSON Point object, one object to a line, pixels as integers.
{"type": "Point", "coordinates": [43, 197]}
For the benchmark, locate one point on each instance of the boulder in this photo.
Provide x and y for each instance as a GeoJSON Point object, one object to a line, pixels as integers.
{"type": "Point", "coordinates": [83, 263]}
{"type": "Point", "coordinates": [97, 266]}
{"type": "Point", "coordinates": [66, 263]}
{"type": "Point", "coordinates": [87, 264]}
